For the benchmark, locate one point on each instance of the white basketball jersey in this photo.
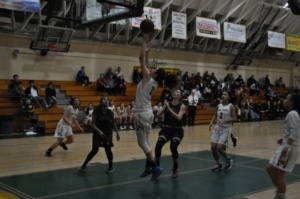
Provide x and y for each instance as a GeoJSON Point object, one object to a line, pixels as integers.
{"type": "Point", "coordinates": [71, 116]}
{"type": "Point", "coordinates": [144, 94]}
{"type": "Point", "coordinates": [224, 114]}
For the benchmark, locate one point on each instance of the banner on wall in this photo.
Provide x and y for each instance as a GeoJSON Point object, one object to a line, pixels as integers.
{"type": "Point", "coordinates": [208, 28]}
{"type": "Point", "coordinates": [276, 39]}
{"type": "Point", "coordinates": [21, 5]}
{"type": "Point", "coordinates": [234, 32]}
{"type": "Point", "coordinates": [149, 13]}
{"type": "Point", "coordinates": [178, 25]}
{"type": "Point", "coordinates": [293, 42]}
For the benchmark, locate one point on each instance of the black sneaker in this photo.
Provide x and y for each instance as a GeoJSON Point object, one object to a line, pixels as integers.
{"type": "Point", "coordinates": [234, 141]}
{"type": "Point", "coordinates": [228, 164]}
{"type": "Point", "coordinates": [217, 168]}
{"type": "Point", "coordinates": [64, 146]}
{"type": "Point", "coordinates": [48, 154]}
{"type": "Point", "coordinates": [146, 172]}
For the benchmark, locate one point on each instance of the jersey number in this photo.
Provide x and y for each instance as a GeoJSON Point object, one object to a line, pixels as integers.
{"type": "Point", "coordinates": [221, 115]}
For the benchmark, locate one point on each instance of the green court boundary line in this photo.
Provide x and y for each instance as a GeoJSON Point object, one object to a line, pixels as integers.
{"type": "Point", "coordinates": [15, 191]}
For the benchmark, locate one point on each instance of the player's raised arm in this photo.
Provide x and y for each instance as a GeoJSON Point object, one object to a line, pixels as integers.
{"type": "Point", "coordinates": [144, 57]}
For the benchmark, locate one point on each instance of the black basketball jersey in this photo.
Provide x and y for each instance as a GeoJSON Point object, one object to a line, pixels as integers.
{"type": "Point", "coordinates": [169, 119]}
{"type": "Point", "coordinates": [104, 121]}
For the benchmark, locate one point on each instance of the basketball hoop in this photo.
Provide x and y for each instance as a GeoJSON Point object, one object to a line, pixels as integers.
{"type": "Point", "coordinates": [53, 48]}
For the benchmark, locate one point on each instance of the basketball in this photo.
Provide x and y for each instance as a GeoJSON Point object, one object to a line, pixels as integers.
{"type": "Point", "coordinates": [147, 26]}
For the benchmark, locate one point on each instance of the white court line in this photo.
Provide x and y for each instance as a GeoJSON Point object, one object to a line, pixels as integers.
{"type": "Point", "coordinates": [15, 191]}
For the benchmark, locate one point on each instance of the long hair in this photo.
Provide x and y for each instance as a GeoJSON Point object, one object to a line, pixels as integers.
{"type": "Point", "coordinates": [88, 108]}
{"type": "Point", "coordinates": [73, 99]}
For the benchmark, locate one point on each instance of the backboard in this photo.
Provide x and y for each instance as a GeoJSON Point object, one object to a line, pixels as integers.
{"type": "Point", "coordinates": [49, 36]}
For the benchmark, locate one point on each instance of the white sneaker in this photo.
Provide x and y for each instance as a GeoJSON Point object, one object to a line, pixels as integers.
{"type": "Point", "coordinates": [121, 128]}
{"type": "Point", "coordinates": [130, 127]}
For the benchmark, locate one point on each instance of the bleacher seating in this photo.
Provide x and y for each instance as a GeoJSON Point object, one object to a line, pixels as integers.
{"type": "Point", "coordinates": [86, 94]}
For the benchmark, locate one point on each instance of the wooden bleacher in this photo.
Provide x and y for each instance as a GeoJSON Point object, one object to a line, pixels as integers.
{"type": "Point", "coordinates": [86, 94]}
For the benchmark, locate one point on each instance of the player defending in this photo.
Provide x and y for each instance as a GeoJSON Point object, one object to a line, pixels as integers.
{"type": "Point", "coordinates": [172, 130]}
{"type": "Point", "coordinates": [225, 115]}
{"type": "Point", "coordinates": [143, 114]}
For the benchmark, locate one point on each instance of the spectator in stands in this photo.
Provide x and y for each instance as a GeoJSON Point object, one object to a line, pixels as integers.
{"type": "Point", "coordinates": [259, 109]}
{"type": "Point", "coordinates": [193, 101]}
{"type": "Point", "coordinates": [186, 80]}
{"type": "Point", "coordinates": [50, 95]}
{"type": "Point", "coordinates": [269, 110]}
{"type": "Point", "coordinates": [202, 85]}
{"type": "Point", "coordinates": [17, 92]}
{"type": "Point", "coordinates": [108, 73]}
{"type": "Point", "coordinates": [267, 82]}
{"type": "Point", "coordinates": [280, 109]}
{"type": "Point", "coordinates": [166, 95]}
{"type": "Point", "coordinates": [198, 78]}
{"type": "Point", "coordinates": [240, 80]}
{"type": "Point", "coordinates": [122, 112]}
{"type": "Point", "coordinates": [112, 107]}
{"type": "Point", "coordinates": [158, 119]}
{"type": "Point", "coordinates": [137, 76]}
{"type": "Point", "coordinates": [118, 73]}
{"type": "Point", "coordinates": [130, 109]}
{"type": "Point", "coordinates": [111, 85]}
{"type": "Point", "coordinates": [82, 77]}
{"type": "Point", "coordinates": [32, 91]}
{"type": "Point", "coordinates": [192, 81]}
{"type": "Point", "coordinates": [247, 110]}
{"type": "Point", "coordinates": [254, 89]}
{"type": "Point", "coordinates": [121, 86]}
{"type": "Point", "coordinates": [270, 95]}
{"type": "Point", "coordinates": [102, 84]}
{"type": "Point", "coordinates": [251, 80]}
{"type": "Point", "coordinates": [213, 80]}
{"type": "Point", "coordinates": [88, 116]}
{"type": "Point", "coordinates": [206, 77]}
{"type": "Point", "coordinates": [279, 83]}
{"type": "Point", "coordinates": [207, 93]}
{"type": "Point", "coordinates": [13, 83]}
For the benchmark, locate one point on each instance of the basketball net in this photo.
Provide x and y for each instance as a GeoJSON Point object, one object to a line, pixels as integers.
{"type": "Point", "coordinates": [53, 50]}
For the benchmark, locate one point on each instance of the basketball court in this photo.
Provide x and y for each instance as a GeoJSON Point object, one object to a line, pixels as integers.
{"type": "Point", "coordinates": [26, 173]}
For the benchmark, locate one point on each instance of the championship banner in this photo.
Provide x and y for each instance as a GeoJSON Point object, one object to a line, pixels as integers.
{"type": "Point", "coordinates": [234, 32]}
{"type": "Point", "coordinates": [178, 25]}
{"type": "Point", "coordinates": [21, 5]}
{"type": "Point", "coordinates": [149, 13]}
{"type": "Point", "coordinates": [208, 28]}
{"type": "Point", "coordinates": [276, 40]}
{"type": "Point", "coordinates": [293, 42]}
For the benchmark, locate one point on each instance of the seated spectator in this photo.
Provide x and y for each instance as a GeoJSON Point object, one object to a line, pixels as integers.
{"type": "Point", "coordinates": [102, 84]}
{"type": "Point", "coordinates": [213, 80]}
{"type": "Point", "coordinates": [280, 109]}
{"type": "Point", "coordinates": [186, 80]}
{"type": "Point", "coordinates": [279, 83]}
{"type": "Point", "coordinates": [130, 115]}
{"type": "Point", "coordinates": [17, 92]}
{"type": "Point", "coordinates": [122, 112]}
{"type": "Point", "coordinates": [240, 80]}
{"type": "Point", "coordinates": [112, 107]}
{"type": "Point", "coordinates": [259, 109]}
{"type": "Point", "coordinates": [118, 73]}
{"type": "Point", "coordinates": [50, 95]}
{"type": "Point", "coordinates": [111, 85]}
{"type": "Point", "coordinates": [267, 82]}
{"type": "Point", "coordinates": [254, 89]}
{"type": "Point", "coordinates": [32, 91]}
{"type": "Point", "coordinates": [108, 73]}
{"type": "Point", "coordinates": [269, 110]}
{"type": "Point", "coordinates": [82, 77]}
{"type": "Point", "coordinates": [158, 120]}
{"type": "Point", "coordinates": [136, 76]}
{"type": "Point", "coordinates": [13, 83]}
{"type": "Point", "coordinates": [88, 114]}
{"type": "Point", "coordinates": [247, 110]}
{"type": "Point", "coordinates": [250, 81]}
{"type": "Point", "coordinates": [121, 85]}
{"type": "Point", "coordinates": [207, 93]}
